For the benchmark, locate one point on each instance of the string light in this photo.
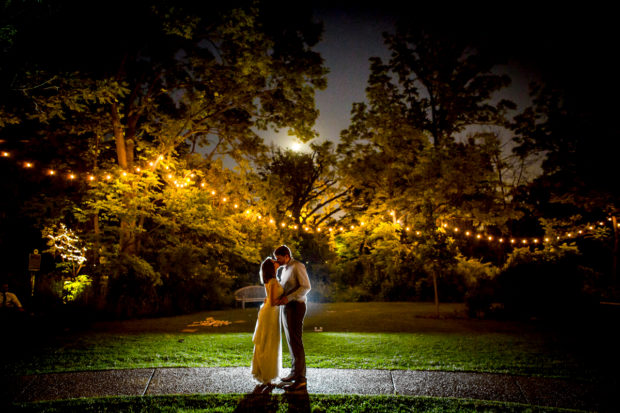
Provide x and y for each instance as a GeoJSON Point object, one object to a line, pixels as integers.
{"type": "Point", "coordinates": [392, 213]}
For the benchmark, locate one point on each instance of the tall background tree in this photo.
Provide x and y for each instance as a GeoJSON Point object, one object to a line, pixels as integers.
{"type": "Point", "coordinates": [410, 155]}
{"type": "Point", "coordinates": [157, 103]}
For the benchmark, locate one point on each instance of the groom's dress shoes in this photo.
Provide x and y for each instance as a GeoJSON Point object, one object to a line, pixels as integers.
{"type": "Point", "coordinates": [298, 385]}
{"type": "Point", "coordinates": [288, 378]}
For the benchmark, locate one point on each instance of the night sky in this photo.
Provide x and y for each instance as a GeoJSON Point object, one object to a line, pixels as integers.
{"type": "Point", "coordinates": [573, 46]}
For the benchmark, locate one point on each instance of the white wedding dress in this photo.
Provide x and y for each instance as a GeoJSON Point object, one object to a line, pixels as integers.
{"type": "Point", "coordinates": [267, 358]}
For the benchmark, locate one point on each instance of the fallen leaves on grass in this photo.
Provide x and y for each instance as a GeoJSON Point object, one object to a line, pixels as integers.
{"type": "Point", "coordinates": [209, 322]}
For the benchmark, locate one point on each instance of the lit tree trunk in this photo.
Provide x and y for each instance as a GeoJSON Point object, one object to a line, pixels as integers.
{"type": "Point", "coordinates": [124, 153]}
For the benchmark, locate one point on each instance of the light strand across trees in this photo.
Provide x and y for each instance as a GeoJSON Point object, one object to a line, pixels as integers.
{"type": "Point", "coordinates": [189, 178]}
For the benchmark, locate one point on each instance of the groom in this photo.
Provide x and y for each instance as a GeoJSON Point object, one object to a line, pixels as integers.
{"type": "Point", "coordinates": [294, 280]}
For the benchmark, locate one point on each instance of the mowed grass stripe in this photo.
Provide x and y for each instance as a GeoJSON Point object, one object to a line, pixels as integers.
{"type": "Point", "coordinates": [481, 352]}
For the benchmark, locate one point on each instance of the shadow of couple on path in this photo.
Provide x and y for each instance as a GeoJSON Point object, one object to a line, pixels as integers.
{"type": "Point", "coordinates": [262, 400]}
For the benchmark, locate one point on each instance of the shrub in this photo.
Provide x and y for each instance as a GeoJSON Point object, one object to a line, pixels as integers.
{"type": "Point", "coordinates": [547, 283]}
{"type": "Point", "coordinates": [480, 285]}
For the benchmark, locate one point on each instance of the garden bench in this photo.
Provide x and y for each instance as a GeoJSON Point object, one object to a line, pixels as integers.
{"type": "Point", "coordinates": [250, 294]}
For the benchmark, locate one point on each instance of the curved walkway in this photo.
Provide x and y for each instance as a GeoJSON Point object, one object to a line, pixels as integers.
{"type": "Point", "coordinates": [157, 381]}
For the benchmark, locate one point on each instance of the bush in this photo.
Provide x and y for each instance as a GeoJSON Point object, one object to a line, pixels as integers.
{"type": "Point", "coordinates": [480, 285]}
{"type": "Point", "coordinates": [547, 283]}
{"type": "Point", "coordinates": [354, 293]}
{"type": "Point", "coordinates": [132, 287]}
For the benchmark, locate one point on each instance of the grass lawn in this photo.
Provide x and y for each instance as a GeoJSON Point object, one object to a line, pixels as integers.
{"type": "Point", "coordinates": [279, 404]}
{"type": "Point", "coordinates": [354, 335]}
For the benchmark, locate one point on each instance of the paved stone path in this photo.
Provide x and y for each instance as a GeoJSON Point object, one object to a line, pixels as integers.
{"type": "Point", "coordinates": [156, 381]}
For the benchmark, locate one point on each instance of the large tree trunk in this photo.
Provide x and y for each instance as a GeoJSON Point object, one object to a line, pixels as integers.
{"type": "Point", "coordinates": [124, 153]}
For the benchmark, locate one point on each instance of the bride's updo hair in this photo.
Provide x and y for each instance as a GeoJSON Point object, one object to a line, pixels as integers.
{"type": "Point", "coordinates": [267, 271]}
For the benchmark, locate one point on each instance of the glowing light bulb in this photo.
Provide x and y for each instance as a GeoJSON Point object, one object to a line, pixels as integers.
{"type": "Point", "coordinates": [5, 154]}
{"type": "Point", "coordinates": [52, 172]}
{"type": "Point", "coordinates": [28, 165]}
{"type": "Point", "coordinates": [108, 177]}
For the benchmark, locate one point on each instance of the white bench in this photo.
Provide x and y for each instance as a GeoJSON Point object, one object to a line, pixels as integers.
{"type": "Point", "coordinates": [250, 294]}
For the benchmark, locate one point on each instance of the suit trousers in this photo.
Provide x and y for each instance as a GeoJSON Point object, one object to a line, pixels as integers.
{"type": "Point", "coordinates": [293, 322]}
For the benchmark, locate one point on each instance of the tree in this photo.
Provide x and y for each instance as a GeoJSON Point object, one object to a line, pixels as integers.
{"type": "Point", "coordinates": [578, 149]}
{"type": "Point", "coordinates": [303, 186]}
{"type": "Point", "coordinates": [155, 104]}
{"type": "Point", "coordinates": [403, 154]}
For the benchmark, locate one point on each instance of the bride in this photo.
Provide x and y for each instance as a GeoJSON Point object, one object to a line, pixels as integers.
{"type": "Point", "coordinates": [267, 358]}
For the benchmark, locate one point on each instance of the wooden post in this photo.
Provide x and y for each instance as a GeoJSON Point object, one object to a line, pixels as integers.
{"type": "Point", "coordinates": [436, 294]}
{"type": "Point", "coordinates": [614, 269]}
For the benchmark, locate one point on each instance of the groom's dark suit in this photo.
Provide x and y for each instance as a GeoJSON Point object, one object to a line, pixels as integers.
{"type": "Point", "coordinates": [296, 284]}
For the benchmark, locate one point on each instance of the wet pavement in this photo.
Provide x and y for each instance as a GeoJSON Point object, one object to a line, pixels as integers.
{"type": "Point", "coordinates": [157, 381]}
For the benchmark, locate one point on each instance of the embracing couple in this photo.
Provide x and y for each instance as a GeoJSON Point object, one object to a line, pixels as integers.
{"type": "Point", "coordinates": [285, 305]}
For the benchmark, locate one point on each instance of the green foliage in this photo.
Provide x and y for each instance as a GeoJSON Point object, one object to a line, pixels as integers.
{"type": "Point", "coordinates": [376, 261]}
{"type": "Point", "coordinates": [72, 289]}
{"type": "Point", "coordinates": [549, 283]}
{"type": "Point", "coordinates": [152, 109]}
{"type": "Point", "coordinates": [406, 156]}
{"type": "Point", "coordinates": [480, 285]}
